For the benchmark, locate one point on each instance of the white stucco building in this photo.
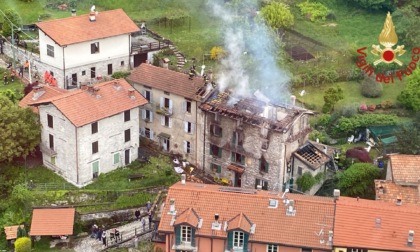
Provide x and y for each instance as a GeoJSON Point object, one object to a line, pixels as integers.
{"type": "Point", "coordinates": [77, 50]}
{"type": "Point", "coordinates": [89, 131]}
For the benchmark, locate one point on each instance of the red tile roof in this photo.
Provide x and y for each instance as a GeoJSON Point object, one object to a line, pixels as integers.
{"type": "Point", "coordinates": [52, 221]}
{"type": "Point", "coordinates": [405, 168]}
{"type": "Point", "coordinates": [72, 30]}
{"type": "Point", "coordinates": [47, 93]}
{"type": "Point", "coordinates": [189, 216]}
{"type": "Point", "coordinates": [388, 191]}
{"type": "Point", "coordinates": [375, 225]}
{"type": "Point", "coordinates": [11, 232]}
{"type": "Point", "coordinates": [251, 206]}
{"type": "Point", "coordinates": [81, 107]}
{"type": "Point", "coordinates": [168, 80]}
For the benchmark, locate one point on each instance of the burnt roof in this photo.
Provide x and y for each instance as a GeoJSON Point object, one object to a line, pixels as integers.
{"type": "Point", "coordinates": [249, 110]}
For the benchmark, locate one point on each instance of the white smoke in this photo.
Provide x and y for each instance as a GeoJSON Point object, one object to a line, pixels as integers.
{"type": "Point", "coordinates": [251, 57]}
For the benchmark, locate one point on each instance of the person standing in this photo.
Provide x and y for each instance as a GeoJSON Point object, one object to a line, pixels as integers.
{"type": "Point", "coordinates": [5, 78]}
{"type": "Point", "coordinates": [149, 206]}
{"type": "Point", "coordinates": [26, 65]}
{"type": "Point", "coordinates": [137, 214]}
{"type": "Point", "coordinates": [21, 70]}
{"type": "Point", "coordinates": [104, 238]}
{"type": "Point", "coordinates": [12, 75]}
{"type": "Point", "coordinates": [143, 223]}
{"type": "Point", "coordinates": [150, 219]}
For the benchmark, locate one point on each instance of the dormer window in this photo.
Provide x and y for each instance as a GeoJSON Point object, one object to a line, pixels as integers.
{"type": "Point", "coordinates": [184, 237]}
{"type": "Point", "coordinates": [238, 240]}
{"type": "Point", "coordinates": [185, 234]}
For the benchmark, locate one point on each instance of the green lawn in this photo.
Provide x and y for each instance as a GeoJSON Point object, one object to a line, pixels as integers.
{"type": "Point", "coordinates": [352, 94]}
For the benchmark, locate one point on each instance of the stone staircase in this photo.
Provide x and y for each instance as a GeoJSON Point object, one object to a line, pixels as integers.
{"type": "Point", "coordinates": [179, 57]}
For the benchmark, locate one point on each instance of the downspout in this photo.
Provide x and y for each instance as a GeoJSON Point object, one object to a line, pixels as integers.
{"type": "Point", "coordinates": [285, 165]}
{"type": "Point", "coordinates": [204, 141]}
{"type": "Point", "coordinates": [211, 244]}
{"type": "Point", "coordinates": [130, 52]}
{"type": "Point", "coordinates": [196, 132]}
{"type": "Point", "coordinates": [77, 157]}
{"type": "Point", "coordinates": [64, 70]}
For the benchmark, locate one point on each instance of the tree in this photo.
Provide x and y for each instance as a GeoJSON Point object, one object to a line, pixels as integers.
{"type": "Point", "coordinates": [358, 180]}
{"type": "Point", "coordinates": [410, 95]}
{"type": "Point", "coordinates": [11, 17]}
{"type": "Point", "coordinates": [13, 96]}
{"type": "Point", "coordinates": [306, 181]}
{"type": "Point", "coordinates": [23, 244]}
{"type": "Point", "coordinates": [20, 130]}
{"type": "Point", "coordinates": [277, 15]}
{"type": "Point", "coordinates": [375, 4]}
{"type": "Point", "coordinates": [409, 137]}
{"type": "Point", "coordinates": [331, 97]}
{"type": "Point", "coordinates": [21, 232]}
{"type": "Point", "coordinates": [404, 18]}
{"type": "Point", "coordinates": [314, 10]}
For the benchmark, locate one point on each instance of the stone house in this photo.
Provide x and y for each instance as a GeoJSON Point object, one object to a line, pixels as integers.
{"type": "Point", "coordinates": [172, 117]}
{"type": "Point", "coordinates": [207, 218]}
{"type": "Point", "coordinates": [249, 143]}
{"type": "Point", "coordinates": [86, 48]}
{"type": "Point", "coordinates": [315, 158]}
{"type": "Point", "coordinates": [89, 131]}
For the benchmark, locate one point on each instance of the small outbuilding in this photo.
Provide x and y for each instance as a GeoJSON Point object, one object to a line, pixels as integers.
{"type": "Point", "coordinates": [52, 221]}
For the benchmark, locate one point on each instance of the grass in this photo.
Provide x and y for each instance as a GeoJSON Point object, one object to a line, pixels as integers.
{"type": "Point", "coordinates": [352, 94]}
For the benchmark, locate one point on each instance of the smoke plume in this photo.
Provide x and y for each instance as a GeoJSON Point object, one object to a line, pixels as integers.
{"type": "Point", "coordinates": [250, 62]}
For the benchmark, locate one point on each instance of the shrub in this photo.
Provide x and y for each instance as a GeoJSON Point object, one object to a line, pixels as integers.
{"type": "Point", "coordinates": [349, 110]}
{"type": "Point", "coordinates": [322, 120]}
{"type": "Point", "coordinates": [371, 88]}
{"type": "Point", "coordinates": [363, 107]}
{"type": "Point", "coordinates": [386, 104]}
{"type": "Point", "coordinates": [372, 107]}
{"type": "Point", "coordinates": [23, 244]}
{"type": "Point", "coordinates": [320, 135]}
{"type": "Point", "coordinates": [120, 75]}
{"type": "Point", "coordinates": [348, 125]}
{"type": "Point", "coordinates": [306, 181]}
{"type": "Point", "coordinates": [314, 10]}
{"type": "Point", "coordinates": [216, 52]}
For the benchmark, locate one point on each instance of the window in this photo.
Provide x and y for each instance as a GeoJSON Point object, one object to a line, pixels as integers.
{"type": "Point", "coordinates": [300, 171]}
{"type": "Point", "coordinates": [50, 121]}
{"type": "Point", "coordinates": [263, 165]}
{"type": "Point", "coordinates": [188, 127]}
{"type": "Point", "coordinates": [272, 248]}
{"type": "Point", "coordinates": [166, 121]}
{"type": "Point", "coordinates": [167, 93]}
{"type": "Point", "coordinates": [109, 69]}
{"type": "Point", "coordinates": [306, 250]}
{"type": "Point", "coordinates": [356, 250]}
{"type": "Point", "coordinates": [185, 234]}
{"type": "Point", "coordinates": [237, 158]}
{"type": "Point", "coordinates": [92, 72]}
{"type": "Point", "coordinates": [83, 72]}
{"type": "Point", "coordinates": [94, 48]}
{"type": "Point", "coordinates": [148, 133]}
{"type": "Point", "coordinates": [187, 147]}
{"type": "Point", "coordinates": [186, 106]}
{"type": "Point", "coordinates": [50, 50]}
{"type": "Point", "coordinates": [116, 158]}
{"type": "Point", "coordinates": [215, 151]}
{"type": "Point", "coordinates": [166, 104]}
{"type": "Point", "coordinates": [262, 183]}
{"type": "Point", "coordinates": [94, 127]}
{"type": "Point", "coordinates": [122, 63]}
{"type": "Point", "coordinates": [216, 168]}
{"type": "Point", "coordinates": [95, 147]}
{"type": "Point", "coordinates": [216, 130]}
{"type": "Point", "coordinates": [51, 141]}
{"type": "Point", "coordinates": [127, 135]}
{"type": "Point", "coordinates": [238, 239]}
{"type": "Point", "coordinates": [148, 95]}
{"type": "Point", "coordinates": [264, 145]}
{"type": "Point", "coordinates": [147, 115]}
{"type": "Point", "coordinates": [237, 138]}
{"type": "Point", "coordinates": [126, 115]}
{"type": "Point", "coordinates": [53, 160]}
{"type": "Point", "coordinates": [95, 169]}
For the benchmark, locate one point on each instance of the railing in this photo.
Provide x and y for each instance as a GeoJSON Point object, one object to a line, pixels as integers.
{"type": "Point", "coordinates": [139, 48]}
{"type": "Point", "coordinates": [51, 186]}
{"type": "Point", "coordinates": [163, 111]}
{"type": "Point", "coordinates": [185, 245]}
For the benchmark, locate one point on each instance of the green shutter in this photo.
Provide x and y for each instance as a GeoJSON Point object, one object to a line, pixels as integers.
{"type": "Point", "coordinates": [246, 237]}
{"type": "Point", "coordinates": [259, 164]}
{"type": "Point", "coordinates": [230, 240]}
{"type": "Point", "coordinates": [242, 159]}
{"type": "Point", "coordinates": [116, 158]}
{"type": "Point", "coordinates": [232, 156]}
{"type": "Point", "coordinates": [178, 235]}
{"type": "Point", "coordinates": [95, 166]}
{"type": "Point", "coordinates": [219, 154]}
{"type": "Point", "coordinates": [266, 166]}
{"type": "Point", "coordinates": [221, 132]}
{"type": "Point", "coordinates": [219, 168]}
{"type": "Point", "coordinates": [193, 237]}
{"type": "Point", "coordinates": [234, 138]}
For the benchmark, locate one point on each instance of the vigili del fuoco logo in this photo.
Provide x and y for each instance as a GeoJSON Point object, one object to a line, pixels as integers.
{"type": "Point", "coordinates": [388, 38]}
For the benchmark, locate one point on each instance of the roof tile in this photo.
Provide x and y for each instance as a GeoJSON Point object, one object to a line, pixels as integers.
{"type": "Point", "coordinates": [52, 221]}
{"type": "Point", "coordinates": [405, 168]}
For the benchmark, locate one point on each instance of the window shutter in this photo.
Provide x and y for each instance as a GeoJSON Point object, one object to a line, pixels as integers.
{"type": "Point", "coordinates": [230, 240]}
{"type": "Point", "coordinates": [232, 157]}
{"type": "Point", "coordinates": [246, 237]}
{"type": "Point", "coordinates": [142, 131]}
{"type": "Point", "coordinates": [192, 127]}
{"type": "Point", "coordinates": [162, 102]}
{"type": "Point", "coordinates": [151, 97]}
{"type": "Point", "coordinates": [221, 132]}
{"type": "Point", "coordinates": [170, 106]}
{"type": "Point", "coordinates": [185, 146]}
{"type": "Point", "coordinates": [143, 93]}
{"type": "Point", "coordinates": [162, 120]}
{"type": "Point", "coordinates": [219, 168]}
{"type": "Point", "coordinates": [193, 237]}
{"type": "Point", "coordinates": [266, 166]}
{"type": "Point", "coordinates": [170, 122]}
{"type": "Point", "coordinates": [191, 147]}
{"type": "Point", "coordinates": [242, 159]}
{"type": "Point", "coordinates": [234, 138]}
{"type": "Point", "coordinates": [186, 127]}
{"type": "Point", "coordinates": [184, 106]}
{"type": "Point", "coordinates": [259, 164]}
{"type": "Point", "coordinates": [151, 115]}
{"type": "Point", "coordinates": [143, 114]}
{"type": "Point", "coordinates": [211, 148]}
{"type": "Point", "coordinates": [92, 48]}
{"type": "Point", "coordinates": [219, 153]}
{"type": "Point", "coordinates": [257, 182]}
{"type": "Point", "coordinates": [178, 235]}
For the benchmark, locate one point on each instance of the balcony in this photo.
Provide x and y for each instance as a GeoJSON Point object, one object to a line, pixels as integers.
{"type": "Point", "coordinates": [186, 246]}
{"type": "Point", "coordinates": [163, 111]}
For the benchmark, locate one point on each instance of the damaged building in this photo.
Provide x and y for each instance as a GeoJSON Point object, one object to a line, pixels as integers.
{"type": "Point", "coordinates": [248, 142]}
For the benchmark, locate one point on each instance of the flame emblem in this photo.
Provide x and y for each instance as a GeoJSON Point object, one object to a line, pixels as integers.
{"type": "Point", "coordinates": [388, 38]}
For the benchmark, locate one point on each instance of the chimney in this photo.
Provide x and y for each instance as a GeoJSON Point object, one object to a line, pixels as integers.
{"type": "Point", "coordinates": [165, 63]}
{"type": "Point", "coordinates": [92, 14]}
{"type": "Point", "coordinates": [83, 86]}
{"type": "Point", "coordinates": [398, 202]}
{"type": "Point", "coordinates": [293, 100]}
{"type": "Point", "coordinates": [95, 90]}
{"type": "Point", "coordinates": [183, 178]}
{"type": "Point", "coordinates": [216, 216]}
{"type": "Point", "coordinates": [172, 210]}
{"type": "Point", "coordinates": [131, 93]}
{"type": "Point", "coordinates": [336, 194]}
{"type": "Point", "coordinates": [73, 12]}
{"type": "Point", "coordinates": [410, 239]}
{"type": "Point", "coordinates": [325, 149]}
{"type": "Point", "coordinates": [259, 187]}
{"type": "Point", "coordinates": [90, 88]}
{"type": "Point", "coordinates": [117, 85]}
{"type": "Point", "coordinates": [38, 91]}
